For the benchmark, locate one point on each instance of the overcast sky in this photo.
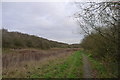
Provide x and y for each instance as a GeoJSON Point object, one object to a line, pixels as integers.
{"type": "Point", "coordinates": [51, 20]}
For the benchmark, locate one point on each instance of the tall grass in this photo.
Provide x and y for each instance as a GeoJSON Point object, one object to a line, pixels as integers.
{"type": "Point", "coordinates": [19, 56]}
{"type": "Point", "coordinates": [64, 66]}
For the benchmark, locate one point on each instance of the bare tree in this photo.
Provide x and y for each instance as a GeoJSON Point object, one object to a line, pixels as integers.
{"type": "Point", "coordinates": [100, 17]}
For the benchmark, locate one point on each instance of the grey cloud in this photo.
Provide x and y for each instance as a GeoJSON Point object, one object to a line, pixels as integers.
{"type": "Point", "coordinates": [50, 20]}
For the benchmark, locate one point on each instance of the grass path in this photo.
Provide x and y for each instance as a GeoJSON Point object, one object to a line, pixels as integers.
{"type": "Point", "coordinates": [66, 68]}
{"type": "Point", "coordinates": [76, 65]}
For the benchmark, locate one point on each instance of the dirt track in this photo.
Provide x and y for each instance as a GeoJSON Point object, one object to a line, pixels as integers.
{"type": "Point", "coordinates": [86, 67]}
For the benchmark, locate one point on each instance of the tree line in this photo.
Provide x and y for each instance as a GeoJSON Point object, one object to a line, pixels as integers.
{"type": "Point", "coordinates": [20, 40]}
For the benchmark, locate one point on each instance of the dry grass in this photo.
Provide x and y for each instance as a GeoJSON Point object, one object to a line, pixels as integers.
{"type": "Point", "coordinates": [20, 63]}
{"type": "Point", "coordinates": [17, 57]}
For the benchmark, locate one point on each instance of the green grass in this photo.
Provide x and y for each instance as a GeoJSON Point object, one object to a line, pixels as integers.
{"type": "Point", "coordinates": [66, 68]}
